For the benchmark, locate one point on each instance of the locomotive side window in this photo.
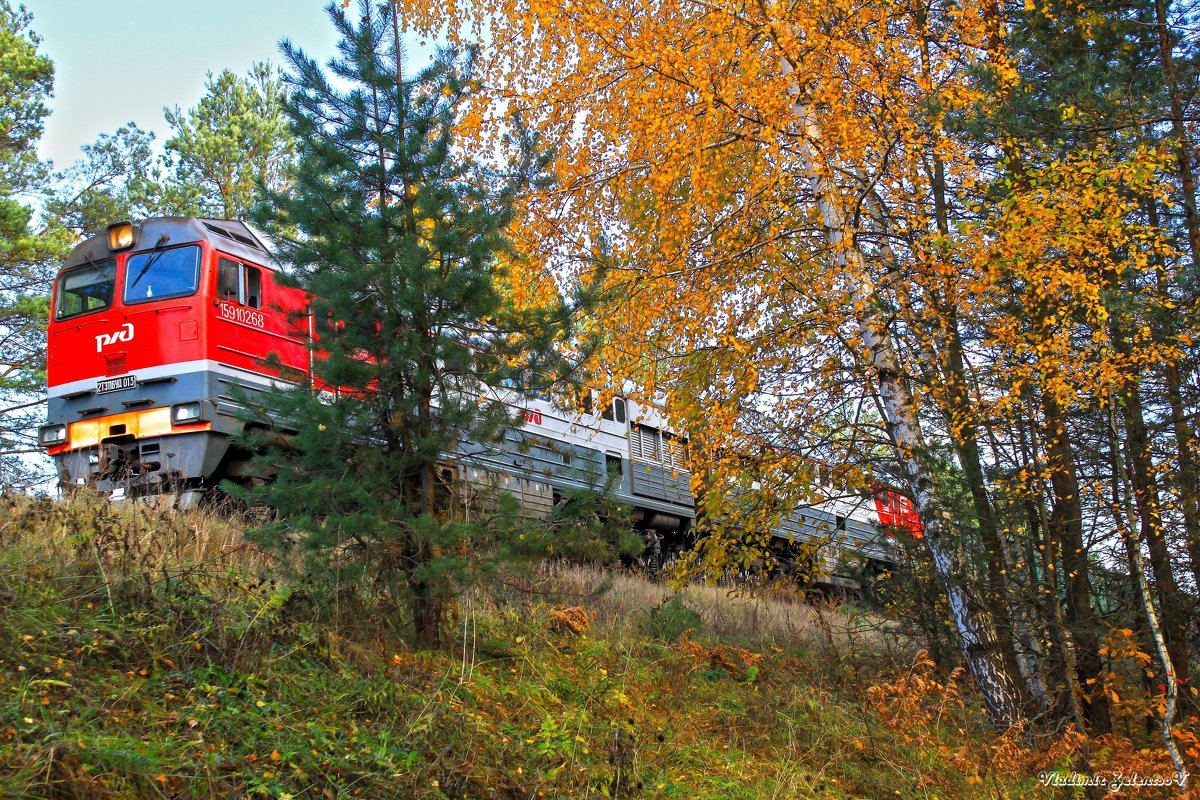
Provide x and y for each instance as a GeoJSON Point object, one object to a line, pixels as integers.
{"type": "Point", "coordinates": [253, 286]}
{"type": "Point", "coordinates": [228, 285]}
{"type": "Point", "coordinates": [86, 289]}
{"type": "Point", "coordinates": [239, 283]}
{"type": "Point", "coordinates": [160, 274]}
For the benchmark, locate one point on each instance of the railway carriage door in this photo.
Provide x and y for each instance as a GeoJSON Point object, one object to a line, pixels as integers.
{"type": "Point", "coordinates": [621, 417]}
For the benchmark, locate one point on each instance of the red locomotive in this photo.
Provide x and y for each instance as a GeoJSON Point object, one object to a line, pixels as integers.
{"type": "Point", "coordinates": [156, 330]}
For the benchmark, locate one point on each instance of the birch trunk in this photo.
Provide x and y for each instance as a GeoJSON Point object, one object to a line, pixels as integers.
{"type": "Point", "coordinates": [1013, 635]}
{"type": "Point", "coordinates": [1125, 517]}
{"type": "Point", "coordinates": [1022, 653]}
{"type": "Point", "coordinates": [902, 422]}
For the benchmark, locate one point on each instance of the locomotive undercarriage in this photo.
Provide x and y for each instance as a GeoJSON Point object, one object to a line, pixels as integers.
{"type": "Point", "coordinates": [133, 467]}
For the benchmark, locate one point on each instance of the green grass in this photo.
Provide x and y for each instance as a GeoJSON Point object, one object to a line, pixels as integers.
{"type": "Point", "coordinates": [151, 654]}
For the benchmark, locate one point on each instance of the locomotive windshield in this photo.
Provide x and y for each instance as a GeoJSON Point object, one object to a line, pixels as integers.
{"type": "Point", "coordinates": [161, 274]}
{"type": "Point", "coordinates": [85, 289]}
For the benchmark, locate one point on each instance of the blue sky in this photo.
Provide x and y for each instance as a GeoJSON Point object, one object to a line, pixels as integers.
{"type": "Point", "coordinates": [118, 61]}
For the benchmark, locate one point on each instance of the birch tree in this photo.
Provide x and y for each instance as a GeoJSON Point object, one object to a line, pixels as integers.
{"type": "Point", "coordinates": [738, 186]}
{"type": "Point", "coordinates": [811, 250]}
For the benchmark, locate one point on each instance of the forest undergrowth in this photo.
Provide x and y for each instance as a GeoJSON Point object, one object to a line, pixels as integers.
{"type": "Point", "coordinates": [154, 653]}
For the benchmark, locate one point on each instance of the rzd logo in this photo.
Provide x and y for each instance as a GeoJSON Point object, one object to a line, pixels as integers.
{"type": "Point", "coordinates": [125, 334]}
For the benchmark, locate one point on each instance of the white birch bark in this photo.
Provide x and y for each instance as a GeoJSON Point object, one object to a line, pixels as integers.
{"type": "Point", "coordinates": [900, 407]}
{"type": "Point", "coordinates": [1137, 564]}
{"type": "Point", "coordinates": [1028, 653]}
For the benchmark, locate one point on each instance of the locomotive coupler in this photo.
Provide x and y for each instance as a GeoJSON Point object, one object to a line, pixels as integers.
{"type": "Point", "coordinates": [118, 460]}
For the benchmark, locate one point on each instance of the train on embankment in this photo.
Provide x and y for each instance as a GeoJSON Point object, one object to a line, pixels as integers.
{"type": "Point", "coordinates": [158, 339]}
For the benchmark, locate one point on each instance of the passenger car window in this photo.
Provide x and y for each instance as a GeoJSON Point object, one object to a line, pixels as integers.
{"type": "Point", "coordinates": [161, 274]}
{"type": "Point", "coordinates": [86, 289]}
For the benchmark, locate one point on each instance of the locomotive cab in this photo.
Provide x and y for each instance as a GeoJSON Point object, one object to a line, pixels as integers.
{"type": "Point", "coordinates": [157, 333]}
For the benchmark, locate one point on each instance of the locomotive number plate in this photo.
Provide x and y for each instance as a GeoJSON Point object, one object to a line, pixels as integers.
{"type": "Point", "coordinates": [246, 316]}
{"type": "Point", "coordinates": [116, 384]}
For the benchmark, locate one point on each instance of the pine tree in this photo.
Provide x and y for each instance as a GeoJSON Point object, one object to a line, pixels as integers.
{"type": "Point", "coordinates": [401, 243]}
{"type": "Point", "coordinates": [235, 140]}
{"type": "Point", "coordinates": [26, 257]}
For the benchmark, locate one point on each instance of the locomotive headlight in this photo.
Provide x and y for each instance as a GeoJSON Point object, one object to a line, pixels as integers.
{"type": "Point", "coordinates": [51, 435]}
{"type": "Point", "coordinates": [121, 236]}
{"type": "Point", "coordinates": [184, 413]}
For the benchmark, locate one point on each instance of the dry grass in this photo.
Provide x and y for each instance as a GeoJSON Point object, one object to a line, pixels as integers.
{"type": "Point", "coordinates": [151, 653]}
{"type": "Point", "coordinates": [782, 618]}
{"type": "Point", "coordinates": [127, 542]}
{"type": "Point", "coordinates": [146, 543]}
